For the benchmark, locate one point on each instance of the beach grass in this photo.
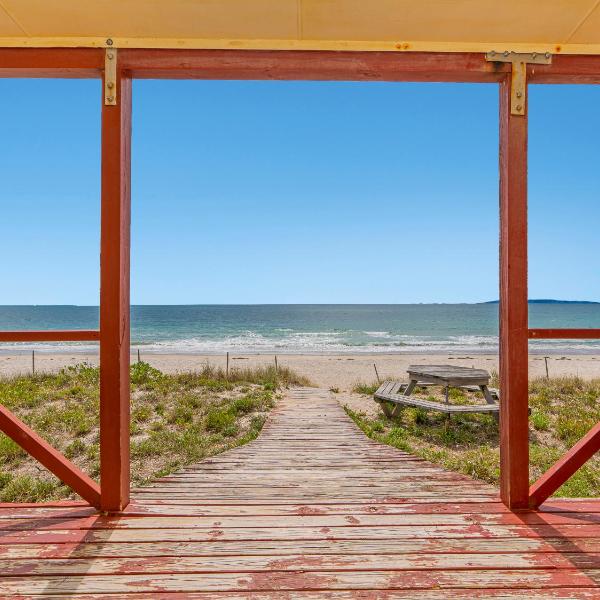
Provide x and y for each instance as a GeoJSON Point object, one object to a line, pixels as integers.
{"type": "Point", "coordinates": [176, 420]}
{"type": "Point", "coordinates": [562, 411]}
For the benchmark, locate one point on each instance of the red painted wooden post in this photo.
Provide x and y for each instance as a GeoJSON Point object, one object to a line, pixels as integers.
{"type": "Point", "coordinates": [114, 299]}
{"type": "Point", "coordinates": [514, 443]}
{"type": "Point", "coordinates": [48, 456]}
{"type": "Point", "coordinates": [556, 475]}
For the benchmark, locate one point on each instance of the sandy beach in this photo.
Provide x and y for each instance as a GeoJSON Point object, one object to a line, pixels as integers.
{"type": "Point", "coordinates": [340, 371]}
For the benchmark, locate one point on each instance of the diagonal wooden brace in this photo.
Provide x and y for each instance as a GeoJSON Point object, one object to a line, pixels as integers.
{"type": "Point", "coordinates": [48, 456]}
{"type": "Point", "coordinates": [564, 468]}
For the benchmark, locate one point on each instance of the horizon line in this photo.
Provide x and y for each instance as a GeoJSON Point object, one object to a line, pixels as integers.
{"type": "Point", "coordinates": [530, 300]}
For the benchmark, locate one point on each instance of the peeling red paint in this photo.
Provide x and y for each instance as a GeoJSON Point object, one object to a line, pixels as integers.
{"type": "Point", "coordinates": [311, 510]}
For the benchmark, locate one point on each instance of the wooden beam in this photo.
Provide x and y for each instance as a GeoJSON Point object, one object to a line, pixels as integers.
{"type": "Point", "coordinates": [290, 64]}
{"type": "Point", "coordinates": [114, 298]}
{"type": "Point", "coordinates": [564, 468]}
{"type": "Point", "coordinates": [514, 417]}
{"type": "Point", "coordinates": [75, 335]}
{"type": "Point", "coordinates": [572, 69]}
{"type": "Point", "coordinates": [48, 456]}
{"type": "Point", "coordinates": [51, 62]}
{"type": "Point", "coordinates": [310, 65]}
{"type": "Point", "coordinates": [564, 334]}
{"type": "Point", "coordinates": [186, 63]}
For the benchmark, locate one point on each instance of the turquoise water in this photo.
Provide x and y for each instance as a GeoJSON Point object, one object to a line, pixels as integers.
{"type": "Point", "coordinates": [319, 328]}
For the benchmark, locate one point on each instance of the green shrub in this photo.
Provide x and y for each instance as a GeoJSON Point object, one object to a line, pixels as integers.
{"type": "Point", "coordinates": [9, 450]}
{"type": "Point", "coordinates": [540, 421]}
{"type": "Point", "coordinates": [367, 389]}
{"type": "Point", "coordinates": [219, 419]}
{"type": "Point", "coordinates": [143, 374]}
{"type": "Point", "coordinates": [25, 488]}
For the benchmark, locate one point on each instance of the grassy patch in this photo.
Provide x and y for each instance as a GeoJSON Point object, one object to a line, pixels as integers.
{"type": "Point", "coordinates": [562, 411]}
{"type": "Point", "coordinates": [175, 420]}
{"type": "Point", "coordinates": [365, 388]}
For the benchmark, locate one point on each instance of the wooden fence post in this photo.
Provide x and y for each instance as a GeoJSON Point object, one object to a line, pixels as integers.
{"type": "Point", "coordinates": [114, 298]}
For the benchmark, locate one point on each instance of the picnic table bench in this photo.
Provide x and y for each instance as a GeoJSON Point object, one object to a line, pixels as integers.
{"type": "Point", "coordinates": [400, 394]}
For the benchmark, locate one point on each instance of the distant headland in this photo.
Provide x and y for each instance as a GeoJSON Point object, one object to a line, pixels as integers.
{"type": "Point", "coordinates": [549, 301]}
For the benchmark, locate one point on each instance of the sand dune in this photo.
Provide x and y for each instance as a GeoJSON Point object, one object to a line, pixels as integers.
{"type": "Point", "coordinates": [329, 371]}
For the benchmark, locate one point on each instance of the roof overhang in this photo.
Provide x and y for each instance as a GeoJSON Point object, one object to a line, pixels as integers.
{"type": "Point", "coordinates": [555, 26]}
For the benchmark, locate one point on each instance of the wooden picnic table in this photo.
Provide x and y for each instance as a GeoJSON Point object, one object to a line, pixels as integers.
{"type": "Point", "coordinates": [449, 376]}
{"type": "Point", "coordinates": [400, 394]}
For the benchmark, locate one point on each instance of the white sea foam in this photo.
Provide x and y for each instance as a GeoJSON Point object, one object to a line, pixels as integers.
{"type": "Point", "coordinates": [312, 342]}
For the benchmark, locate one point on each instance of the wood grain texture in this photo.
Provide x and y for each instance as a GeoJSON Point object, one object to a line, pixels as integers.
{"type": "Point", "coordinates": [115, 248]}
{"type": "Point", "coordinates": [186, 63]}
{"type": "Point", "coordinates": [311, 509]}
{"type": "Point", "coordinates": [310, 65]}
{"type": "Point", "coordinates": [513, 346]}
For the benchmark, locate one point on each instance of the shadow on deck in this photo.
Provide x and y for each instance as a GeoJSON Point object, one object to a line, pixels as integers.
{"type": "Point", "coordinates": [311, 509]}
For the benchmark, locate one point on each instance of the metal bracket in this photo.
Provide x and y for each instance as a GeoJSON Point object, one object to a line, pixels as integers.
{"type": "Point", "coordinates": [518, 87]}
{"type": "Point", "coordinates": [110, 77]}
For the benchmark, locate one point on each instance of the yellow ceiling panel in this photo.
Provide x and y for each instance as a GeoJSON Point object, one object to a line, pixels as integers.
{"type": "Point", "coordinates": [588, 31]}
{"type": "Point", "coordinates": [235, 19]}
{"type": "Point", "coordinates": [443, 20]}
{"type": "Point", "coordinates": [450, 25]}
{"type": "Point", "coordinates": [8, 27]}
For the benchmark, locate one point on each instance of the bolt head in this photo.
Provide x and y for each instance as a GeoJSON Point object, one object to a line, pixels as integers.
{"type": "Point", "coordinates": [109, 42]}
{"type": "Point", "coordinates": [112, 98]}
{"type": "Point", "coordinates": [506, 53]}
{"type": "Point", "coordinates": [519, 107]}
{"type": "Point", "coordinates": [519, 94]}
{"type": "Point", "coordinates": [110, 85]}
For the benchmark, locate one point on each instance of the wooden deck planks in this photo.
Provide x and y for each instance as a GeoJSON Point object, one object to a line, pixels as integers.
{"type": "Point", "coordinates": [311, 509]}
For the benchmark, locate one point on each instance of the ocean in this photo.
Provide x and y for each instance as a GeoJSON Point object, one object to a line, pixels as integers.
{"type": "Point", "coordinates": [305, 328]}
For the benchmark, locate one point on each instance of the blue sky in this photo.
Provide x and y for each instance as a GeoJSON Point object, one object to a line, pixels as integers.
{"type": "Point", "coordinates": [266, 192]}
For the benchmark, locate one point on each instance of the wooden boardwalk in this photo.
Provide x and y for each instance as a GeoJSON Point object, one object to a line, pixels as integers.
{"type": "Point", "coordinates": [311, 509]}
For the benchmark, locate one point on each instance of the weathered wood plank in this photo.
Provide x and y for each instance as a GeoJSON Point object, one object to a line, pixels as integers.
{"type": "Point", "coordinates": [320, 547]}
{"type": "Point", "coordinates": [295, 533]}
{"type": "Point", "coordinates": [403, 400]}
{"type": "Point", "coordinates": [414, 594]}
{"type": "Point", "coordinates": [295, 562]}
{"type": "Point", "coordinates": [305, 581]}
{"type": "Point", "coordinates": [298, 520]}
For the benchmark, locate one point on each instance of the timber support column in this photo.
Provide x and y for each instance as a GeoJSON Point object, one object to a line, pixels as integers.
{"type": "Point", "coordinates": [114, 286]}
{"type": "Point", "coordinates": [514, 351]}
{"type": "Point", "coordinates": [514, 413]}
{"type": "Point", "coordinates": [514, 333]}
